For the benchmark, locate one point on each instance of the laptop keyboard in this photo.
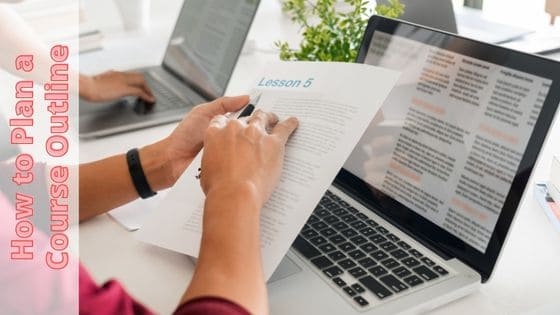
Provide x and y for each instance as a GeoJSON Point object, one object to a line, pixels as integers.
{"type": "Point", "coordinates": [165, 98]}
{"type": "Point", "coordinates": [339, 240]}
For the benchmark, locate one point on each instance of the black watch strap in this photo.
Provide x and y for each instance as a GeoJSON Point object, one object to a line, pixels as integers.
{"type": "Point", "coordinates": [137, 174]}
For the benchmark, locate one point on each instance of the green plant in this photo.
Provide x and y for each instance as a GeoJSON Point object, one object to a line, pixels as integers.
{"type": "Point", "coordinates": [337, 34]}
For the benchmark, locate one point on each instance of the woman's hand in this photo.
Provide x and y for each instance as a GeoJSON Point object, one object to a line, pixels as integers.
{"type": "Point", "coordinates": [241, 165]}
{"type": "Point", "coordinates": [184, 143]}
{"type": "Point", "coordinates": [245, 154]}
{"type": "Point", "coordinates": [113, 85]}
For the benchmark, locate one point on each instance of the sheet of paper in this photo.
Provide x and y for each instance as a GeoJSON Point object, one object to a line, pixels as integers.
{"type": "Point", "coordinates": [132, 215]}
{"type": "Point", "coordinates": [334, 103]}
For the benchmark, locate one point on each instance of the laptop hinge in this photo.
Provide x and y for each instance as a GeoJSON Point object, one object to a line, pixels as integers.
{"type": "Point", "coordinates": [438, 251]}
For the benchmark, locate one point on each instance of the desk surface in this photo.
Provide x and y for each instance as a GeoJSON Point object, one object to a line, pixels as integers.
{"type": "Point", "coordinates": [525, 279]}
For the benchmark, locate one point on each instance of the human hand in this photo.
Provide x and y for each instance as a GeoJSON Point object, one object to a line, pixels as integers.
{"type": "Point", "coordinates": [113, 85]}
{"type": "Point", "coordinates": [239, 154]}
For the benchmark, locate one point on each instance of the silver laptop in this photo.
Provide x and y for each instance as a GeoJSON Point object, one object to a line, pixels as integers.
{"type": "Point", "coordinates": [200, 58]}
{"type": "Point", "coordinates": [422, 208]}
{"type": "Point", "coordinates": [439, 14]}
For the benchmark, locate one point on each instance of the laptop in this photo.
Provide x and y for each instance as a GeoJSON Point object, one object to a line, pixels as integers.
{"type": "Point", "coordinates": [421, 210]}
{"type": "Point", "coordinates": [198, 63]}
{"type": "Point", "coordinates": [439, 14]}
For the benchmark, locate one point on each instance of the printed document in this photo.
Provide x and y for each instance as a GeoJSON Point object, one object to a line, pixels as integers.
{"type": "Point", "coordinates": [334, 103]}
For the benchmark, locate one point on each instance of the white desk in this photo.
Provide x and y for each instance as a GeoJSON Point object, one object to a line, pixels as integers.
{"type": "Point", "coordinates": [526, 277]}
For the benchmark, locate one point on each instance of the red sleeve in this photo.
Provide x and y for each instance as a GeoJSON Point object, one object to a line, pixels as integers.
{"type": "Point", "coordinates": [210, 305]}
{"type": "Point", "coordinates": [110, 299]}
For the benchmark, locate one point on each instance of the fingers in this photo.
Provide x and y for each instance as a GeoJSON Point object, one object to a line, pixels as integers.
{"type": "Point", "coordinates": [141, 93]}
{"type": "Point", "coordinates": [138, 82]}
{"type": "Point", "coordinates": [219, 121]}
{"type": "Point", "coordinates": [283, 130]}
{"type": "Point", "coordinates": [263, 120]}
{"type": "Point", "coordinates": [225, 105]}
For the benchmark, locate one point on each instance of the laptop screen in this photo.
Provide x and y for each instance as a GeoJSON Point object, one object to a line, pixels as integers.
{"type": "Point", "coordinates": [450, 151]}
{"type": "Point", "coordinates": [207, 41]}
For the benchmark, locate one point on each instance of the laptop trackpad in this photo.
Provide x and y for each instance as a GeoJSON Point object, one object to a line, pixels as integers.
{"type": "Point", "coordinates": [286, 268]}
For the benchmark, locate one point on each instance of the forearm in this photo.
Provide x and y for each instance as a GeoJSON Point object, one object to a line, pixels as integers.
{"type": "Point", "coordinates": [106, 184]}
{"type": "Point", "coordinates": [229, 263]}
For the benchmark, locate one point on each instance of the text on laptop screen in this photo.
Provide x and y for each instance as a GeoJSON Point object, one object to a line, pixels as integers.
{"type": "Point", "coordinates": [206, 41]}
{"type": "Point", "coordinates": [449, 139]}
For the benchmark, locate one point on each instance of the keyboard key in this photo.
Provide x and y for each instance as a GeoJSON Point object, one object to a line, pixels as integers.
{"type": "Point", "coordinates": [322, 262]}
{"type": "Point", "coordinates": [349, 218]}
{"type": "Point", "coordinates": [309, 233]}
{"type": "Point", "coordinates": [367, 262]}
{"type": "Point", "coordinates": [312, 219]}
{"type": "Point", "coordinates": [362, 216]}
{"type": "Point", "coordinates": [377, 239]}
{"type": "Point", "coordinates": [327, 232]}
{"type": "Point", "coordinates": [390, 263]}
{"type": "Point", "coordinates": [327, 248]}
{"type": "Point", "coordinates": [331, 206]}
{"type": "Point", "coordinates": [440, 270]}
{"type": "Point", "coordinates": [347, 247]}
{"type": "Point", "coordinates": [401, 272]}
{"type": "Point", "coordinates": [333, 196]}
{"type": "Point", "coordinates": [347, 264]}
{"type": "Point", "coordinates": [337, 239]}
{"type": "Point", "coordinates": [393, 237]}
{"type": "Point", "coordinates": [317, 241]}
{"type": "Point", "coordinates": [415, 253]}
{"type": "Point", "coordinates": [393, 283]}
{"type": "Point", "coordinates": [319, 225]}
{"type": "Point", "coordinates": [349, 291]}
{"type": "Point", "coordinates": [339, 282]}
{"type": "Point", "coordinates": [357, 272]}
{"type": "Point", "coordinates": [336, 256]}
{"type": "Point", "coordinates": [367, 231]}
{"type": "Point", "coordinates": [428, 261]}
{"type": "Point", "coordinates": [372, 223]}
{"type": "Point", "coordinates": [382, 230]}
{"type": "Point", "coordinates": [340, 212]}
{"type": "Point", "coordinates": [404, 245]}
{"type": "Point", "coordinates": [410, 262]}
{"type": "Point", "coordinates": [379, 255]}
{"type": "Point", "coordinates": [361, 301]}
{"type": "Point", "coordinates": [349, 233]}
{"type": "Point", "coordinates": [399, 254]}
{"type": "Point", "coordinates": [413, 281]}
{"type": "Point", "coordinates": [377, 271]}
{"type": "Point", "coordinates": [375, 287]}
{"type": "Point", "coordinates": [358, 288]}
{"type": "Point", "coordinates": [340, 226]}
{"type": "Point", "coordinates": [358, 240]}
{"type": "Point", "coordinates": [333, 271]}
{"type": "Point", "coordinates": [305, 248]}
{"type": "Point", "coordinates": [306, 227]}
{"type": "Point", "coordinates": [349, 208]}
{"type": "Point", "coordinates": [321, 212]}
{"type": "Point", "coordinates": [358, 225]}
{"type": "Point", "coordinates": [357, 254]}
{"type": "Point", "coordinates": [346, 204]}
{"type": "Point", "coordinates": [331, 219]}
{"type": "Point", "coordinates": [425, 273]}
{"type": "Point", "coordinates": [368, 247]}
{"type": "Point", "coordinates": [388, 246]}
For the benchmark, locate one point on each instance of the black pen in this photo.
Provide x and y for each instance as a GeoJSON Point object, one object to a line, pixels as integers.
{"type": "Point", "coordinates": [248, 110]}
